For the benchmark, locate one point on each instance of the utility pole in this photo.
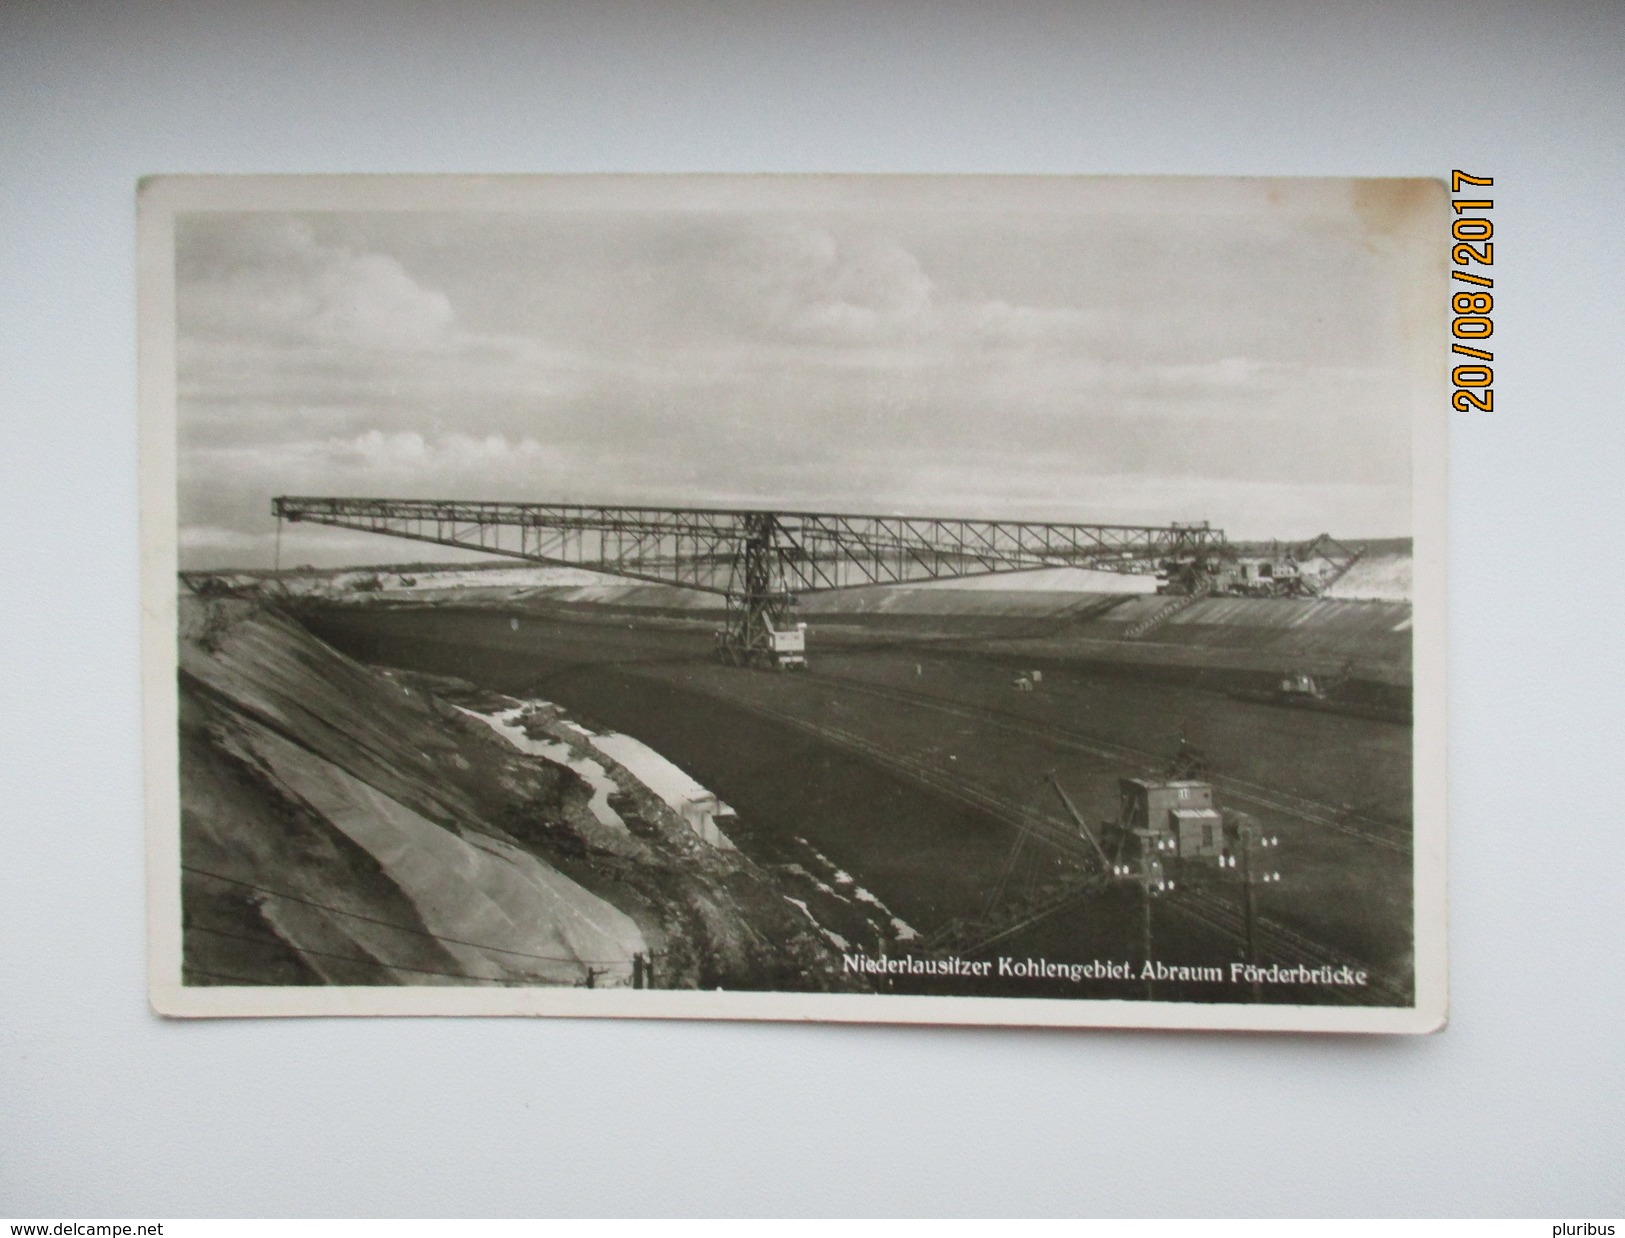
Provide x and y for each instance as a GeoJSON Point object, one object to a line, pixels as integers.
{"type": "Point", "coordinates": [643, 970]}
{"type": "Point", "coordinates": [1148, 875]}
{"type": "Point", "coordinates": [1250, 839]}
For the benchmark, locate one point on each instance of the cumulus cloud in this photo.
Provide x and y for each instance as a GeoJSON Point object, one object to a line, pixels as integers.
{"type": "Point", "coordinates": [1081, 369]}
{"type": "Point", "coordinates": [802, 282]}
{"type": "Point", "coordinates": [361, 463]}
{"type": "Point", "coordinates": [211, 540]}
{"type": "Point", "coordinates": [277, 282]}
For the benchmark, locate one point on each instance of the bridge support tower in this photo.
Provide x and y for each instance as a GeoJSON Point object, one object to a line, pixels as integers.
{"type": "Point", "coordinates": [759, 629]}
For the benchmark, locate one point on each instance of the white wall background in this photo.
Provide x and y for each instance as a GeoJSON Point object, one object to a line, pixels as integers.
{"type": "Point", "coordinates": [1516, 1109]}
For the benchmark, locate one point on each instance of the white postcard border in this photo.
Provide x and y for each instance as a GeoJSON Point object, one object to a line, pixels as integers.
{"type": "Point", "coordinates": [160, 199]}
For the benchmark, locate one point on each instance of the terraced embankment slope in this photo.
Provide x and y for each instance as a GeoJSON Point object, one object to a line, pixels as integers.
{"type": "Point", "coordinates": [1360, 631]}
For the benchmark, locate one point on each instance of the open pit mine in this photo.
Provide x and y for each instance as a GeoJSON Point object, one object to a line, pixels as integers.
{"type": "Point", "coordinates": [798, 752]}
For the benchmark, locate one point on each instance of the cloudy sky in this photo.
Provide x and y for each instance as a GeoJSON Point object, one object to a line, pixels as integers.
{"type": "Point", "coordinates": [1131, 351]}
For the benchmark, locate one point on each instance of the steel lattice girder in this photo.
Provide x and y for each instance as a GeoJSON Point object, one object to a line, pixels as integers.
{"type": "Point", "coordinates": [698, 547]}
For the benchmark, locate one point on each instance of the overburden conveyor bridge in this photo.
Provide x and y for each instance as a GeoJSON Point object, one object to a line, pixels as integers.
{"type": "Point", "coordinates": [759, 559]}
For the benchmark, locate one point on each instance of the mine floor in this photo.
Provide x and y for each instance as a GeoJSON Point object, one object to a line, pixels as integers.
{"type": "Point", "coordinates": [919, 770]}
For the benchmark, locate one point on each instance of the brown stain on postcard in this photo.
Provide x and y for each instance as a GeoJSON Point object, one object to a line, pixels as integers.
{"type": "Point", "coordinates": [1389, 206]}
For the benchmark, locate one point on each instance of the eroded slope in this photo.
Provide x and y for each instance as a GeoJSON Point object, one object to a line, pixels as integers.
{"type": "Point", "coordinates": [343, 825]}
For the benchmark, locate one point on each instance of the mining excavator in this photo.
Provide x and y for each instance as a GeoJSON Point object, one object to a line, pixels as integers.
{"type": "Point", "coordinates": [762, 644]}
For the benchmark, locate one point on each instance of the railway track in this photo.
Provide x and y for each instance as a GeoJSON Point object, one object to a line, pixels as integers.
{"type": "Point", "coordinates": [1367, 829]}
{"type": "Point", "coordinates": [973, 937]}
{"type": "Point", "coordinates": [1276, 942]}
{"type": "Point", "coordinates": [1042, 827]}
{"type": "Point", "coordinates": [1353, 824]}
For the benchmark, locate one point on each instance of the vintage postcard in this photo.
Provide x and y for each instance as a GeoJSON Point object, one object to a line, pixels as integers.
{"type": "Point", "coordinates": [932, 599]}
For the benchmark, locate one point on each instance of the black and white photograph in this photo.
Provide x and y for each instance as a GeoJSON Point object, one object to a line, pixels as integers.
{"type": "Point", "coordinates": [967, 599]}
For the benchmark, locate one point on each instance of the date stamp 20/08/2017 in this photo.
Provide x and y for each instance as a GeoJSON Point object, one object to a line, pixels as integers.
{"type": "Point", "coordinates": [1471, 306]}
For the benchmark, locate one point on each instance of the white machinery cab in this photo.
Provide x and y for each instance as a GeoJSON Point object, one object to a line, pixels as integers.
{"type": "Point", "coordinates": [790, 647]}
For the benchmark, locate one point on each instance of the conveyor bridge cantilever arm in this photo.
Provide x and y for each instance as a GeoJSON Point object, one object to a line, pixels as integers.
{"type": "Point", "coordinates": [703, 548]}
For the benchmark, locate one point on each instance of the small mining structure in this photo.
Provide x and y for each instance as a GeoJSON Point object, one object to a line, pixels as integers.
{"type": "Point", "coordinates": [917, 748]}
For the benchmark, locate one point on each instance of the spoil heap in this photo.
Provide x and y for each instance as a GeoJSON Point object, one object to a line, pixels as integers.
{"type": "Point", "coordinates": [346, 825]}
